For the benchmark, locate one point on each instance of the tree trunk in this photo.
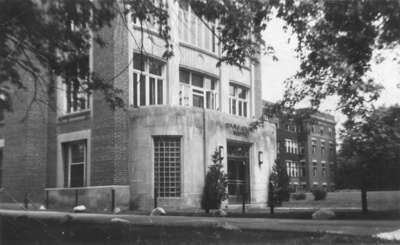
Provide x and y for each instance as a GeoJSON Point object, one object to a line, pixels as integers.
{"type": "Point", "coordinates": [364, 202]}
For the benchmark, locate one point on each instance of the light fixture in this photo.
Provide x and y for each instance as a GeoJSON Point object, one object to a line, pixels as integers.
{"type": "Point", "coordinates": [260, 157]}
{"type": "Point", "coordinates": [221, 152]}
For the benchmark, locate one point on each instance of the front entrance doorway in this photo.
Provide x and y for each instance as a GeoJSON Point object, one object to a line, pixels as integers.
{"type": "Point", "coordinates": [238, 171]}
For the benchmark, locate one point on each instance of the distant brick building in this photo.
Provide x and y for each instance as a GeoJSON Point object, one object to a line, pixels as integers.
{"type": "Point", "coordinates": [157, 149]}
{"type": "Point", "coordinates": [308, 147]}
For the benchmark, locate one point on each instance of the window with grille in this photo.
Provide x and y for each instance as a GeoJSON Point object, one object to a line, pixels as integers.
{"type": "Point", "coordinates": [167, 166]}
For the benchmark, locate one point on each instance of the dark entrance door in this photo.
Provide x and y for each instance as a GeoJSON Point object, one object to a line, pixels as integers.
{"type": "Point", "coordinates": [238, 171]}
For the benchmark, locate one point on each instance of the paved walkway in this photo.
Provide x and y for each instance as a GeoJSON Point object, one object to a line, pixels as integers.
{"type": "Point", "coordinates": [348, 227]}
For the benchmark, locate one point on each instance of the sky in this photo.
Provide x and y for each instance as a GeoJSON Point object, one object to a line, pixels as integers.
{"type": "Point", "coordinates": [275, 72]}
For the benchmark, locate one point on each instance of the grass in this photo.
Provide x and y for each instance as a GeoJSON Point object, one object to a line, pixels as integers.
{"type": "Point", "coordinates": [383, 205]}
{"type": "Point", "coordinates": [23, 230]}
{"type": "Point", "coordinates": [377, 200]}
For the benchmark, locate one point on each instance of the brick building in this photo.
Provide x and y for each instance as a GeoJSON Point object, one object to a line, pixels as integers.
{"type": "Point", "coordinates": [308, 147]}
{"type": "Point", "coordinates": [178, 112]}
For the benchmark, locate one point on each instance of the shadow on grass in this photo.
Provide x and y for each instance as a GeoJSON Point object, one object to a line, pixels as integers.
{"type": "Point", "coordinates": [24, 230]}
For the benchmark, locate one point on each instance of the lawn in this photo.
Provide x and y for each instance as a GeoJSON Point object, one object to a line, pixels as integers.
{"type": "Point", "coordinates": [377, 200]}
{"type": "Point", "coordinates": [23, 230]}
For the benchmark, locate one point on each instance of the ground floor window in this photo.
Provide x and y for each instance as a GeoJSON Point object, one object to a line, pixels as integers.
{"type": "Point", "coordinates": [295, 169]}
{"type": "Point", "coordinates": [167, 166]}
{"type": "Point", "coordinates": [75, 162]}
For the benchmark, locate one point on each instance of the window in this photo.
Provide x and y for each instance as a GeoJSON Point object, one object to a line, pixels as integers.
{"type": "Point", "coordinates": [314, 169]}
{"type": "Point", "coordinates": [331, 148]}
{"type": "Point", "coordinates": [302, 169]}
{"type": "Point", "coordinates": [148, 81]}
{"type": "Point", "coordinates": [197, 90]}
{"type": "Point", "coordinates": [321, 130]}
{"type": "Point", "coordinates": [3, 104]}
{"type": "Point", "coordinates": [291, 146]}
{"type": "Point", "coordinates": [322, 148]}
{"type": "Point", "coordinates": [150, 23]}
{"type": "Point", "coordinates": [330, 131]}
{"type": "Point", "coordinates": [323, 169]}
{"type": "Point", "coordinates": [238, 100]}
{"type": "Point", "coordinates": [167, 166]}
{"type": "Point", "coordinates": [312, 128]}
{"type": "Point", "coordinates": [314, 146]}
{"type": "Point", "coordinates": [295, 169]}
{"type": "Point", "coordinates": [301, 149]}
{"type": "Point", "coordinates": [75, 161]}
{"type": "Point", "coordinates": [76, 97]}
{"type": "Point", "coordinates": [289, 168]}
{"type": "Point", "coordinates": [1, 167]}
{"type": "Point", "coordinates": [193, 30]}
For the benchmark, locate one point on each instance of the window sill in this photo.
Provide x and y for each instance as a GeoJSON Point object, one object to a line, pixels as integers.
{"type": "Point", "coordinates": [80, 115]}
{"type": "Point", "coordinates": [237, 116]}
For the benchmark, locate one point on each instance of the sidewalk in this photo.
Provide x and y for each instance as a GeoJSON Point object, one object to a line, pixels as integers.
{"type": "Point", "coordinates": [346, 227]}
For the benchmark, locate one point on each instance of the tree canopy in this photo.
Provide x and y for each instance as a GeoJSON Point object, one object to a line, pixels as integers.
{"type": "Point", "coordinates": [55, 35]}
{"type": "Point", "coordinates": [337, 40]}
{"type": "Point", "coordinates": [336, 44]}
{"type": "Point", "coordinates": [370, 154]}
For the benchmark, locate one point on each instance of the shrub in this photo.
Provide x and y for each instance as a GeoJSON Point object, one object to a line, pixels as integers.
{"type": "Point", "coordinates": [299, 196]}
{"type": "Point", "coordinates": [215, 187]}
{"type": "Point", "coordinates": [280, 181]}
{"type": "Point", "coordinates": [319, 194]}
{"type": "Point", "coordinates": [282, 195]}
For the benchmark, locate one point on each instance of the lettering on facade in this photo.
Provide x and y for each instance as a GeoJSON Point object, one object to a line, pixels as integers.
{"type": "Point", "coordinates": [238, 130]}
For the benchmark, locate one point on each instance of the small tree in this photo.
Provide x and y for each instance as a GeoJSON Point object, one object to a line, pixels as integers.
{"type": "Point", "coordinates": [215, 187]}
{"type": "Point", "coordinates": [280, 181]}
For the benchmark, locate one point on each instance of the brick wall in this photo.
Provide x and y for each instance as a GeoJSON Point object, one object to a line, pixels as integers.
{"type": "Point", "coordinates": [25, 150]}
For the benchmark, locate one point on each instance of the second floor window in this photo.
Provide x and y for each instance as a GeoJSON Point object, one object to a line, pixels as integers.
{"type": "Point", "coordinates": [148, 81]}
{"type": "Point", "coordinates": [331, 148]}
{"type": "Point", "coordinates": [291, 146]}
{"type": "Point", "coordinates": [197, 90]}
{"type": "Point", "coordinates": [194, 31]}
{"type": "Point", "coordinates": [330, 131]}
{"type": "Point", "coordinates": [314, 146]}
{"type": "Point", "coordinates": [314, 169]}
{"type": "Point", "coordinates": [322, 148]}
{"type": "Point", "coordinates": [238, 100]}
{"type": "Point", "coordinates": [77, 99]}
